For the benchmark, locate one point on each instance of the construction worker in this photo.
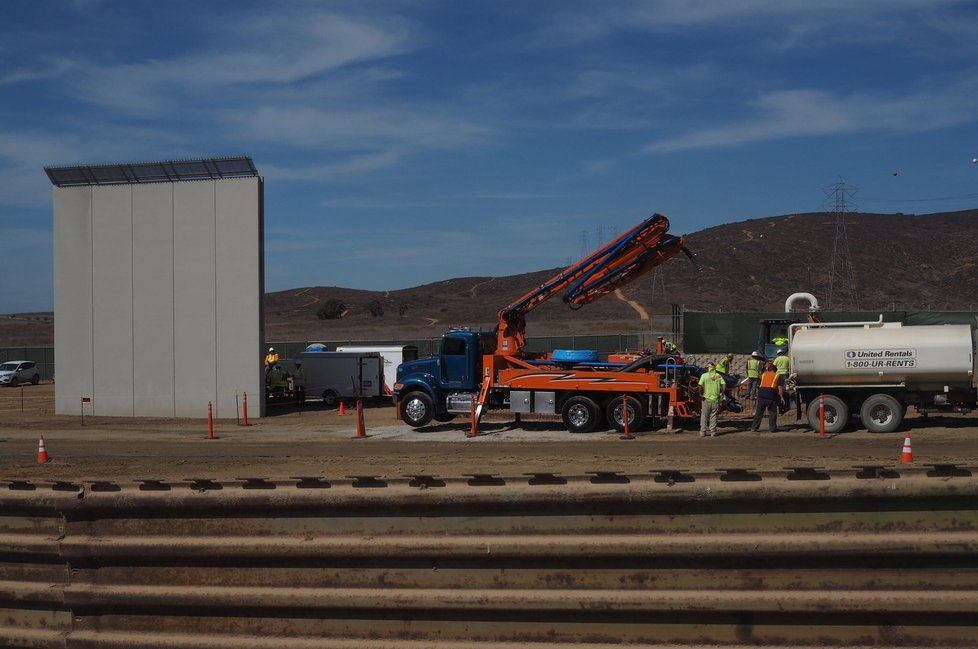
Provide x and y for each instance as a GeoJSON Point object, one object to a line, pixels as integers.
{"type": "Point", "coordinates": [780, 341]}
{"type": "Point", "coordinates": [299, 381]}
{"type": "Point", "coordinates": [723, 365]}
{"type": "Point", "coordinates": [770, 398]}
{"type": "Point", "coordinates": [670, 347]}
{"type": "Point", "coordinates": [783, 364]}
{"type": "Point", "coordinates": [711, 386]}
{"type": "Point", "coordinates": [271, 358]}
{"type": "Point", "coordinates": [754, 366]}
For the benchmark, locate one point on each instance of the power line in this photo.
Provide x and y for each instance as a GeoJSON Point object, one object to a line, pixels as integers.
{"type": "Point", "coordinates": [842, 286]}
{"type": "Point", "coordinates": [918, 200]}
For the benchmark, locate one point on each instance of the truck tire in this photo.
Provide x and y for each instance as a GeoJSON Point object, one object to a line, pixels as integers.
{"type": "Point", "coordinates": [836, 414]}
{"type": "Point", "coordinates": [330, 398]}
{"type": "Point", "coordinates": [580, 414]}
{"type": "Point", "coordinates": [881, 413]}
{"type": "Point", "coordinates": [616, 408]}
{"type": "Point", "coordinates": [417, 409]}
{"type": "Point", "coordinates": [444, 416]}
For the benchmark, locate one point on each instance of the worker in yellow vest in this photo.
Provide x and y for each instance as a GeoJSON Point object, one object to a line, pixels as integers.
{"type": "Point", "coordinates": [712, 387]}
{"type": "Point", "coordinates": [783, 364]}
{"type": "Point", "coordinates": [753, 375]}
{"type": "Point", "coordinates": [723, 365]}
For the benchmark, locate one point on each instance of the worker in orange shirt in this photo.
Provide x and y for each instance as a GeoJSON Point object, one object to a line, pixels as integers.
{"type": "Point", "coordinates": [770, 396]}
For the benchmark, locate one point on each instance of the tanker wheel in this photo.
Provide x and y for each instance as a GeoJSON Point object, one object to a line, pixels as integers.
{"type": "Point", "coordinates": [836, 414]}
{"type": "Point", "coordinates": [881, 413]}
{"type": "Point", "coordinates": [616, 409]}
{"type": "Point", "coordinates": [330, 398]}
{"type": "Point", "coordinates": [580, 414]}
{"type": "Point", "coordinates": [417, 409]}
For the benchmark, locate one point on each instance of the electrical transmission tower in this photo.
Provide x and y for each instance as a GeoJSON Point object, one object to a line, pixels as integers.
{"type": "Point", "coordinates": [842, 287]}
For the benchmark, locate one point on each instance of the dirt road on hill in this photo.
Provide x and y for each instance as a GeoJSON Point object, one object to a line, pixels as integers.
{"type": "Point", "coordinates": [315, 441]}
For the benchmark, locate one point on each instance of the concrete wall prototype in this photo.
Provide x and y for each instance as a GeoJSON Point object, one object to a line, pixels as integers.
{"type": "Point", "coordinates": [157, 298]}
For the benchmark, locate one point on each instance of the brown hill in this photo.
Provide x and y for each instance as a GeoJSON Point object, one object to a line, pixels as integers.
{"type": "Point", "coordinates": [912, 262]}
{"type": "Point", "coordinates": [903, 262]}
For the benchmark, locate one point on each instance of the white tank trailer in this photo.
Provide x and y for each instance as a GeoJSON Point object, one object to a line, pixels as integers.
{"type": "Point", "coordinates": [877, 370]}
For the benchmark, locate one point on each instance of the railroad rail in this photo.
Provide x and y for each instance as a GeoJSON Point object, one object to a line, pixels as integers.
{"type": "Point", "coordinates": [877, 556]}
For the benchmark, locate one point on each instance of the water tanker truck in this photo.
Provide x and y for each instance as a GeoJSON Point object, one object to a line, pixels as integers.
{"type": "Point", "coordinates": [877, 370]}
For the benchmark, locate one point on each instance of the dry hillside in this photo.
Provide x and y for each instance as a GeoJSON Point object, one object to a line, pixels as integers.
{"type": "Point", "coordinates": [898, 261]}
{"type": "Point", "coordinates": [908, 262]}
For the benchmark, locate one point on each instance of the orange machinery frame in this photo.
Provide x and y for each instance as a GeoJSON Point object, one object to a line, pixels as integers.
{"type": "Point", "coordinates": [618, 263]}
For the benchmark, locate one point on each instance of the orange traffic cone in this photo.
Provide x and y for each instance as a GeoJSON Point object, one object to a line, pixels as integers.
{"type": "Point", "coordinates": [361, 429]}
{"type": "Point", "coordinates": [42, 453]}
{"type": "Point", "coordinates": [342, 408]}
{"type": "Point", "coordinates": [907, 451]}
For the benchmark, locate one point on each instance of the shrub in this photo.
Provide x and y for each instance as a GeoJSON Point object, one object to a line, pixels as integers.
{"type": "Point", "coordinates": [332, 309]}
{"type": "Point", "coordinates": [375, 308]}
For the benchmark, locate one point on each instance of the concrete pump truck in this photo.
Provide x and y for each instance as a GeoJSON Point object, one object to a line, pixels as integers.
{"type": "Point", "coordinates": [493, 370]}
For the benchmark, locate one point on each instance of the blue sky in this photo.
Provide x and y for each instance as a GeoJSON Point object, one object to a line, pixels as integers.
{"type": "Point", "coordinates": [409, 141]}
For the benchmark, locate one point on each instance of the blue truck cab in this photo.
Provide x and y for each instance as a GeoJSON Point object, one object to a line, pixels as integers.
{"type": "Point", "coordinates": [439, 387]}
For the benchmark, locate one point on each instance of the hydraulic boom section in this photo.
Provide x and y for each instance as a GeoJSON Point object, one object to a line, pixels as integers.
{"type": "Point", "coordinates": [622, 261]}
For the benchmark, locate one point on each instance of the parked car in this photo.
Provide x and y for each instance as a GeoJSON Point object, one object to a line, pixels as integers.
{"type": "Point", "coordinates": [14, 372]}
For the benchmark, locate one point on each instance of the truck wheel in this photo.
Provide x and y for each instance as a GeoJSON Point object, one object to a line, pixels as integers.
{"type": "Point", "coordinates": [616, 409]}
{"type": "Point", "coordinates": [417, 409]}
{"type": "Point", "coordinates": [330, 398]}
{"type": "Point", "coordinates": [836, 414]}
{"type": "Point", "coordinates": [580, 414]}
{"type": "Point", "coordinates": [881, 413]}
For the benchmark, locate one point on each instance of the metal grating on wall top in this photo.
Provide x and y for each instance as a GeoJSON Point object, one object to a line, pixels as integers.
{"type": "Point", "coordinates": [152, 172]}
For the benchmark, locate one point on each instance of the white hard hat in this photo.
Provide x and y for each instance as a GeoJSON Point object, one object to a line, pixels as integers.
{"type": "Point", "coordinates": [271, 349]}
{"type": "Point", "coordinates": [754, 354]}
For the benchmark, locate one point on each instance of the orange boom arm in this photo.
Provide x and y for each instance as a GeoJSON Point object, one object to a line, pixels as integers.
{"type": "Point", "coordinates": [622, 261]}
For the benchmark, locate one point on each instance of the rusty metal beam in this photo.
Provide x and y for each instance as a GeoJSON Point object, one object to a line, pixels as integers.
{"type": "Point", "coordinates": [710, 559]}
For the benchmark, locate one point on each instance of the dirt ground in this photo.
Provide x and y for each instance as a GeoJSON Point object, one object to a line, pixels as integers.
{"type": "Point", "coordinates": [315, 441]}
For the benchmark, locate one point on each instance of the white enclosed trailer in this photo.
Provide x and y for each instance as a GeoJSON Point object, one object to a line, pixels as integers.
{"type": "Point", "coordinates": [393, 356]}
{"type": "Point", "coordinates": [876, 370]}
{"type": "Point", "coordinates": [342, 375]}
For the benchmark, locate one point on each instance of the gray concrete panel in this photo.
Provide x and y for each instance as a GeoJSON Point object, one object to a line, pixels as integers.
{"type": "Point", "coordinates": [112, 299]}
{"type": "Point", "coordinates": [152, 307]}
{"type": "Point", "coordinates": [158, 298]}
{"type": "Point", "coordinates": [238, 281]}
{"type": "Point", "coordinates": [195, 297]}
{"type": "Point", "coordinates": [73, 298]}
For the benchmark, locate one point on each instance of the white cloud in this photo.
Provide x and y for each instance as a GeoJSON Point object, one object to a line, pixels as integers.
{"type": "Point", "coordinates": [252, 55]}
{"type": "Point", "coordinates": [809, 112]}
{"type": "Point", "coordinates": [351, 165]}
{"type": "Point", "coordinates": [359, 126]}
{"type": "Point", "coordinates": [788, 23]}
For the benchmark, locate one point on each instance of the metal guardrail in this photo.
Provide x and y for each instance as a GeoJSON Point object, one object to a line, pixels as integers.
{"type": "Point", "coordinates": [875, 556]}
